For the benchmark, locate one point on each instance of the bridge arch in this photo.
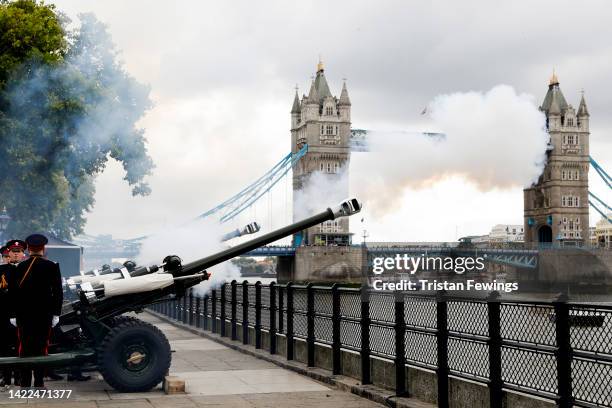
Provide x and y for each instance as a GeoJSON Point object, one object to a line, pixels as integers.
{"type": "Point", "coordinates": [545, 234]}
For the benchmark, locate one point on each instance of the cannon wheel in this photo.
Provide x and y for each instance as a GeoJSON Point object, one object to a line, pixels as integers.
{"type": "Point", "coordinates": [113, 322]}
{"type": "Point", "coordinates": [134, 356]}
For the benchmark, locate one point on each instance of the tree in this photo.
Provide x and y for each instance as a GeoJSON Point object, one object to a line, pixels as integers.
{"type": "Point", "coordinates": [66, 107]}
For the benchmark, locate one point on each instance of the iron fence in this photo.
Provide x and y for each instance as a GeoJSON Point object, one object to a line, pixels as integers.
{"type": "Point", "coordinates": [557, 350]}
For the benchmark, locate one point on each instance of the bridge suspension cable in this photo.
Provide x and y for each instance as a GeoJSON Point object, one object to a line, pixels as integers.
{"type": "Point", "coordinates": [608, 180]}
{"type": "Point", "coordinates": [244, 199]}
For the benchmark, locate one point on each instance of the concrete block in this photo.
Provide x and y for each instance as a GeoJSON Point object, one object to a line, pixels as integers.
{"type": "Point", "coordinates": [351, 364]}
{"type": "Point", "coordinates": [173, 385]}
{"type": "Point", "coordinates": [323, 356]}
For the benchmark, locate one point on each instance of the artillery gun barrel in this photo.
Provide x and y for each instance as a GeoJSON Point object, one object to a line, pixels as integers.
{"type": "Point", "coordinates": [145, 279]}
{"type": "Point", "coordinates": [248, 229]}
{"type": "Point", "coordinates": [344, 209]}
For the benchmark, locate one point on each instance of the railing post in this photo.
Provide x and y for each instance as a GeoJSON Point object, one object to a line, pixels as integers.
{"type": "Point", "coordinates": [184, 313]}
{"type": "Point", "coordinates": [495, 343]}
{"type": "Point", "coordinates": [281, 304]}
{"type": "Point", "coordinates": [213, 312]}
{"type": "Point", "coordinates": [198, 308]}
{"type": "Point", "coordinates": [273, 312]}
{"type": "Point", "coordinates": [289, 331]}
{"type": "Point", "coordinates": [175, 309]}
{"type": "Point", "coordinates": [191, 309]}
{"type": "Point", "coordinates": [310, 320]}
{"type": "Point", "coordinates": [245, 312]}
{"type": "Point", "coordinates": [258, 315]}
{"type": "Point", "coordinates": [234, 303]}
{"type": "Point", "coordinates": [336, 343]}
{"type": "Point", "coordinates": [223, 303]}
{"type": "Point", "coordinates": [400, 345]}
{"type": "Point", "coordinates": [365, 335]}
{"type": "Point", "coordinates": [564, 352]}
{"type": "Point", "coordinates": [206, 297]}
{"type": "Point", "coordinates": [442, 340]}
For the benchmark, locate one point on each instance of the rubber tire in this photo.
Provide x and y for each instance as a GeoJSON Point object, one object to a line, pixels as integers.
{"type": "Point", "coordinates": [114, 321]}
{"type": "Point", "coordinates": [127, 330]}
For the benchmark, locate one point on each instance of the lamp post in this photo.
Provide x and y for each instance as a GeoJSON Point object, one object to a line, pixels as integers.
{"type": "Point", "coordinates": [4, 221]}
{"type": "Point", "coordinates": [365, 235]}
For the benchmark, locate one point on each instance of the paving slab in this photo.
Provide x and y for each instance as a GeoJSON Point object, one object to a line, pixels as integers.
{"type": "Point", "coordinates": [215, 376]}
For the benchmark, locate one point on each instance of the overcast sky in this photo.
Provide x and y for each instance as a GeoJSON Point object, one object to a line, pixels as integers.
{"type": "Point", "coordinates": [222, 75]}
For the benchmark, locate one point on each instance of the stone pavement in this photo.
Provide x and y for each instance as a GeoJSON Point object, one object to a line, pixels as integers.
{"type": "Point", "coordinates": [215, 376]}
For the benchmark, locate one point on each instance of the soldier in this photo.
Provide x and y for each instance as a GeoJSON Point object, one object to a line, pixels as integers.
{"type": "Point", "coordinates": [5, 255]}
{"type": "Point", "coordinates": [7, 331]}
{"type": "Point", "coordinates": [35, 291]}
{"type": "Point", "coordinates": [16, 249]}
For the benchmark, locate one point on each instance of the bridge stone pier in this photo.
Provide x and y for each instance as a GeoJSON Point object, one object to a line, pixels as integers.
{"type": "Point", "coordinates": [323, 264]}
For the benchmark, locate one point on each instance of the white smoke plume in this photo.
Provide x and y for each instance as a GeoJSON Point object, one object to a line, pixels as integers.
{"type": "Point", "coordinates": [320, 191]}
{"type": "Point", "coordinates": [495, 140]}
{"type": "Point", "coordinates": [191, 241]}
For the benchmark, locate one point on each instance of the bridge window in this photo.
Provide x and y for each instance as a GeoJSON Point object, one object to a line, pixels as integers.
{"type": "Point", "coordinates": [322, 129]}
{"type": "Point", "coordinates": [321, 166]}
{"type": "Point", "coordinates": [329, 110]}
{"type": "Point", "coordinates": [329, 130]}
{"type": "Point", "coordinates": [563, 175]}
{"type": "Point", "coordinates": [336, 167]}
{"type": "Point", "coordinates": [570, 201]}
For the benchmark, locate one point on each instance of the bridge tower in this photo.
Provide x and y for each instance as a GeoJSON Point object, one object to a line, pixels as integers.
{"type": "Point", "coordinates": [556, 208]}
{"type": "Point", "coordinates": [322, 121]}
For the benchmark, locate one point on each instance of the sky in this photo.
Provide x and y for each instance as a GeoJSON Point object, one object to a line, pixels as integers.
{"type": "Point", "coordinates": [222, 77]}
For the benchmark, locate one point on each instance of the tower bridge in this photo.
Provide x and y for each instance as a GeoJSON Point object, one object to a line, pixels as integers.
{"type": "Point", "coordinates": [556, 208]}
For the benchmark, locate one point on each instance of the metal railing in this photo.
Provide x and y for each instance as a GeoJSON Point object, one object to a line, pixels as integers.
{"type": "Point", "coordinates": [557, 350]}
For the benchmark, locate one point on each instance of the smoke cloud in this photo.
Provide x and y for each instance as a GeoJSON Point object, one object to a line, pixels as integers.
{"type": "Point", "coordinates": [197, 239]}
{"type": "Point", "coordinates": [495, 140]}
{"type": "Point", "coordinates": [61, 124]}
{"type": "Point", "coordinates": [320, 190]}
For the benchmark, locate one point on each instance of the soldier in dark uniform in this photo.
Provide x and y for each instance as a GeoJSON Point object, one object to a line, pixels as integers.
{"type": "Point", "coordinates": [5, 255]}
{"type": "Point", "coordinates": [35, 291]}
{"type": "Point", "coordinates": [16, 248]}
{"type": "Point", "coordinates": [7, 331]}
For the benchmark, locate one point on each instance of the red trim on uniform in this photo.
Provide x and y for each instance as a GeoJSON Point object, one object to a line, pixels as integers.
{"type": "Point", "coordinates": [16, 245]}
{"type": "Point", "coordinates": [19, 347]}
{"type": "Point", "coordinates": [46, 350]}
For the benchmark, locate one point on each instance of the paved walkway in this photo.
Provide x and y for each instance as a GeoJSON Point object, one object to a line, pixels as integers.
{"type": "Point", "coordinates": [215, 376]}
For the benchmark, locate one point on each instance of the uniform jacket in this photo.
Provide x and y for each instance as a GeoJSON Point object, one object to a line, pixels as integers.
{"type": "Point", "coordinates": [35, 289]}
{"type": "Point", "coordinates": [5, 275]}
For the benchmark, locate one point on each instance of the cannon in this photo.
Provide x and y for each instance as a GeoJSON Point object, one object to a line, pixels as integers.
{"type": "Point", "coordinates": [96, 276]}
{"type": "Point", "coordinates": [130, 354]}
{"type": "Point", "coordinates": [248, 229]}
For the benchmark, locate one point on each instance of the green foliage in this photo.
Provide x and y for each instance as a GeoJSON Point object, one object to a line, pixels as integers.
{"type": "Point", "coordinates": [29, 30]}
{"type": "Point", "coordinates": [66, 107]}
